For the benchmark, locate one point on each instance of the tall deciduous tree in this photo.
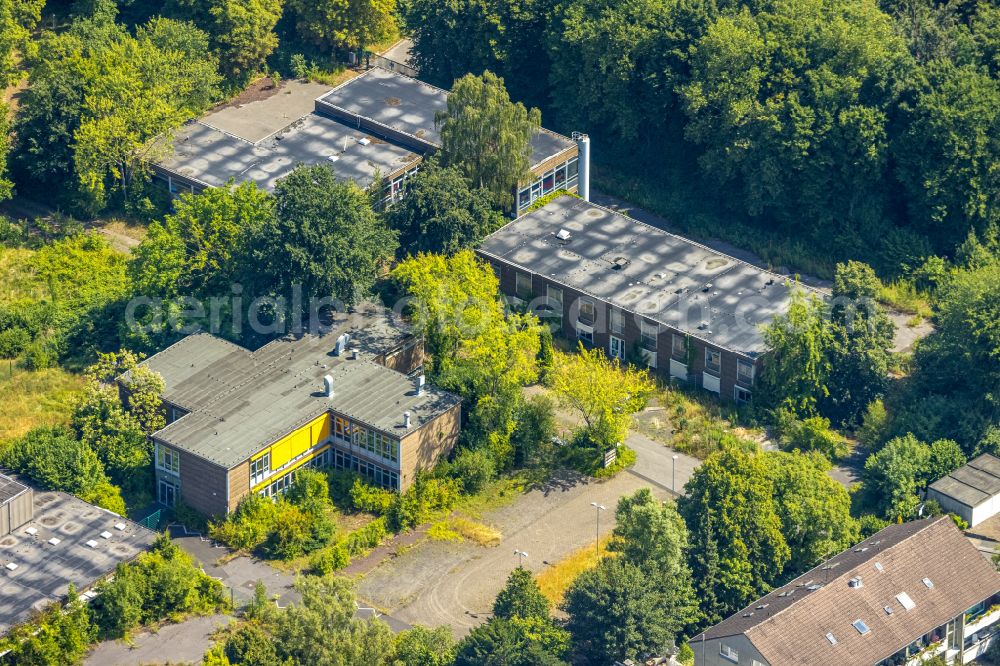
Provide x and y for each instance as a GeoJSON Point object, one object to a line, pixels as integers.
{"type": "Point", "coordinates": [895, 475]}
{"type": "Point", "coordinates": [604, 393]}
{"type": "Point", "coordinates": [734, 526]}
{"type": "Point", "coordinates": [521, 597]}
{"type": "Point", "coordinates": [346, 24]}
{"type": "Point", "coordinates": [17, 19]}
{"type": "Point", "coordinates": [487, 136]}
{"type": "Point", "coordinates": [323, 236]}
{"type": "Point", "coordinates": [242, 33]}
{"type": "Point", "coordinates": [441, 213]}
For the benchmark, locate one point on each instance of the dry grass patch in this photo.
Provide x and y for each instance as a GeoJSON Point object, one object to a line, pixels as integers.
{"type": "Point", "coordinates": [555, 580]}
{"type": "Point", "coordinates": [464, 528]}
{"type": "Point", "coordinates": [30, 399]}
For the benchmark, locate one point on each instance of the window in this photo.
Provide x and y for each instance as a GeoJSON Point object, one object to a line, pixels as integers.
{"type": "Point", "coordinates": [522, 286]}
{"type": "Point", "coordinates": [561, 177]}
{"type": "Point", "coordinates": [572, 168]}
{"type": "Point", "coordinates": [861, 627]}
{"type": "Point", "coordinates": [617, 322]}
{"type": "Point", "coordinates": [377, 475]}
{"type": "Point", "coordinates": [168, 493]}
{"type": "Point", "coordinates": [744, 371]}
{"type": "Point", "coordinates": [649, 333]}
{"type": "Point", "coordinates": [554, 296]}
{"type": "Point", "coordinates": [679, 346]}
{"type": "Point", "coordinates": [524, 198]}
{"type": "Point", "coordinates": [168, 460]}
{"type": "Point", "coordinates": [754, 662]}
{"type": "Point", "coordinates": [741, 395]}
{"type": "Point", "coordinates": [341, 428]}
{"type": "Point", "coordinates": [260, 467]}
{"type": "Point", "coordinates": [905, 601]}
{"type": "Point", "coordinates": [548, 182]}
{"type": "Point", "coordinates": [730, 653]}
{"type": "Point", "coordinates": [587, 312]}
{"type": "Point", "coordinates": [713, 360]}
{"type": "Point", "coordinates": [584, 333]}
{"type": "Point", "coordinates": [377, 443]}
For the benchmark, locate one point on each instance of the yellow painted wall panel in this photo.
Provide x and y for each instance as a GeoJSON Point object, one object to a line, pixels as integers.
{"type": "Point", "coordinates": [281, 452]}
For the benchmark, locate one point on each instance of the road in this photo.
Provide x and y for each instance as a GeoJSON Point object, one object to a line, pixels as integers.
{"type": "Point", "coordinates": [445, 583]}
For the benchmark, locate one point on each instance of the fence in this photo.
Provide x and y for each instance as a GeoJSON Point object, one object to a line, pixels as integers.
{"type": "Point", "coordinates": [376, 60]}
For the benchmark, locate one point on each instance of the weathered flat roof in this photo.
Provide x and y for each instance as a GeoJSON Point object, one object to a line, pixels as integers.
{"type": "Point", "coordinates": [44, 571]}
{"type": "Point", "coordinates": [973, 483]}
{"type": "Point", "coordinates": [211, 157]}
{"type": "Point", "coordinates": [408, 105]}
{"type": "Point", "coordinates": [9, 489]}
{"type": "Point", "coordinates": [240, 400]}
{"type": "Point", "coordinates": [645, 271]}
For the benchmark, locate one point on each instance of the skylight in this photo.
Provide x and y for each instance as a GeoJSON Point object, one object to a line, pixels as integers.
{"type": "Point", "coordinates": [905, 601]}
{"type": "Point", "coordinates": [929, 583]}
{"type": "Point", "coordinates": [879, 567]}
{"type": "Point", "coordinates": [861, 627]}
{"type": "Point", "coordinates": [830, 637]}
{"type": "Point", "coordinates": [888, 610]}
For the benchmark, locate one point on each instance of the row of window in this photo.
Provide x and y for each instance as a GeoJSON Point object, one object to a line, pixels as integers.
{"type": "Point", "coordinates": [373, 441]}
{"type": "Point", "coordinates": [168, 460]}
{"type": "Point", "coordinates": [377, 475]}
{"type": "Point", "coordinates": [285, 481]}
{"type": "Point", "coordinates": [562, 177]}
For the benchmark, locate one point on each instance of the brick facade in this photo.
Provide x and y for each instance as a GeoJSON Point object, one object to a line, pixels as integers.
{"type": "Point", "coordinates": [631, 334]}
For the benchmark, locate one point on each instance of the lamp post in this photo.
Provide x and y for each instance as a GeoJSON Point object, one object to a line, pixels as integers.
{"type": "Point", "coordinates": [521, 555]}
{"type": "Point", "coordinates": [673, 474]}
{"type": "Point", "coordinates": [597, 543]}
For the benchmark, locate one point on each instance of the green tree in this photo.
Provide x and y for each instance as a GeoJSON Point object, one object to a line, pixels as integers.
{"type": "Point", "coordinates": [17, 19]}
{"type": "Point", "coordinates": [618, 611]}
{"type": "Point", "coordinates": [605, 394]}
{"type": "Point", "coordinates": [242, 34]}
{"type": "Point", "coordinates": [343, 24]}
{"type": "Point", "coordinates": [13, 342]}
{"type": "Point", "coordinates": [441, 213]}
{"type": "Point", "coordinates": [513, 642]}
{"type": "Point", "coordinates": [61, 634]}
{"type": "Point", "coordinates": [946, 150]}
{"type": "Point", "coordinates": [495, 161]}
{"type": "Point", "coordinates": [56, 460]}
{"type": "Point", "coordinates": [903, 467]}
{"type": "Point", "coordinates": [796, 374]}
{"type": "Point", "coordinates": [737, 547]}
{"type": "Point", "coordinates": [650, 533]}
{"type": "Point", "coordinates": [421, 646]}
{"type": "Point", "coordinates": [323, 236]}
{"type": "Point", "coordinates": [815, 510]}
{"type": "Point", "coordinates": [520, 597]}
{"type": "Point", "coordinates": [250, 644]}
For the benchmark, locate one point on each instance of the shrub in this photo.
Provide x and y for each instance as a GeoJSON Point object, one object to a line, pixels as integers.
{"type": "Point", "coordinates": [371, 499]}
{"type": "Point", "coordinates": [874, 425]}
{"type": "Point", "coordinates": [426, 496]}
{"type": "Point", "coordinates": [330, 559]}
{"type": "Point", "coordinates": [364, 539]}
{"type": "Point", "coordinates": [473, 469]}
{"type": "Point", "coordinates": [811, 434]}
{"type": "Point", "coordinates": [249, 526]}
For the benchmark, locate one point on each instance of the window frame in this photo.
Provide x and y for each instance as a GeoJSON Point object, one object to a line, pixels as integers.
{"type": "Point", "coordinates": [679, 351]}
{"type": "Point", "coordinates": [740, 363]}
{"type": "Point", "coordinates": [260, 468]}
{"type": "Point", "coordinates": [174, 456]}
{"type": "Point", "coordinates": [728, 652]}
{"type": "Point", "coordinates": [591, 306]}
{"type": "Point", "coordinates": [716, 368]}
{"type": "Point", "coordinates": [737, 390]}
{"type": "Point", "coordinates": [519, 276]}
{"type": "Point", "coordinates": [619, 325]}
{"type": "Point", "coordinates": [644, 337]}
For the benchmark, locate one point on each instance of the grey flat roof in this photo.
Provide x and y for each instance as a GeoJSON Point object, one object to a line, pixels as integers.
{"type": "Point", "coordinates": [44, 571]}
{"type": "Point", "coordinates": [9, 489]}
{"type": "Point", "coordinates": [662, 277]}
{"type": "Point", "coordinates": [240, 400]}
{"type": "Point", "coordinates": [212, 157]}
{"type": "Point", "coordinates": [409, 106]}
{"type": "Point", "coordinates": [973, 483]}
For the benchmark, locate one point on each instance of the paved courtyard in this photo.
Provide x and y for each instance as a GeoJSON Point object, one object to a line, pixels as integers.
{"type": "Point", "coordinates": [184, 643]}
{"type": "Point", "coordinates": [445, 583]}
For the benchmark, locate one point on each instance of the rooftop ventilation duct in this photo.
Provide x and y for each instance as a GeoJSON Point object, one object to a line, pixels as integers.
{"type": "Point", "coordinates": [406, 419]}
{"type": "Point", "coordinates": [855, 582]}
{"type": "Point", "coordinates": [563, 235]}
{"type": "Point", "coordinates": [328, 385]}
{"type": "Point", "coordinates": [420, 385]}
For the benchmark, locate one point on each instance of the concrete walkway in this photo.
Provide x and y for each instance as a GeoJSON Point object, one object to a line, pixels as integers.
{"type": "Point", "coordinates": [182, 643]}
{"type": "Point", "coordinates": [654, 464]}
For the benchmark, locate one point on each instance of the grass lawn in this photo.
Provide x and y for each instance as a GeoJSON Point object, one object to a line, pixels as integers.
{"type": "Point", "coordinates": [29, 399]}
{"type": "Point", "coordinates": [555, 580]}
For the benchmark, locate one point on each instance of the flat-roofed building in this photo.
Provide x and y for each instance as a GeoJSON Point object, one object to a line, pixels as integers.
{"type": "Point", "coordinates": [972, 491]}
{"type": "Point", "coordinates": [56, 540]}
{"type": "Point", "coordinates": [634, 290]}
{"type": "Point", "coordinates": [242, 421]}
{"type": "Point", "coordinates": [403, 109]}
{"type": "Point", "coordinates": [908, 593]}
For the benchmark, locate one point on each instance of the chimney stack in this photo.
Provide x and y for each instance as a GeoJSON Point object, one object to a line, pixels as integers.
{"type": "Point", "coordinates": [583, 161]}
{"type": "Point", "coordinates": [328, 385]}
{"type": "Point", "coordinates": [406, 419]}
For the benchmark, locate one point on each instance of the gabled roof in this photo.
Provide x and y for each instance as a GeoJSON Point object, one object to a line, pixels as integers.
{"type": "Point", "coordinates": [790, 625]}
{"type": "Point", "coordinates": [972, 483]}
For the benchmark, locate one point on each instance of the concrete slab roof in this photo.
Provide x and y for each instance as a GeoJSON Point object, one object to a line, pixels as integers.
{"type": "Point", "coordinates": [409, 106]}
{"type": "Point", "coordinates": [43, 571]}
{"type": "Point", "coordinates": [210, 157]}
{"type": "Point", "coordinates": [646, 271]}
{"type": "Point", "coordinates": [973, 483]}
{"type": "Point", "coordinates": [240, 400]}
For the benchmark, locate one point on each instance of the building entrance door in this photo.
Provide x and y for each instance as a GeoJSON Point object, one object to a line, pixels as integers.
{"type": "Point", "coordinates": [616, 348]}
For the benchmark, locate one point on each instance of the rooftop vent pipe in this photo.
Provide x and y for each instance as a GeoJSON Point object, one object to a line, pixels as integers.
{"type": "Point", "coordinates": [406, 419]}
{"type": "Point", "coordinates": [420, 385]}
{"type": "Point", "coordinates": [328, 385]}
{"type": "Point", "coordinates": [583, 149]}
